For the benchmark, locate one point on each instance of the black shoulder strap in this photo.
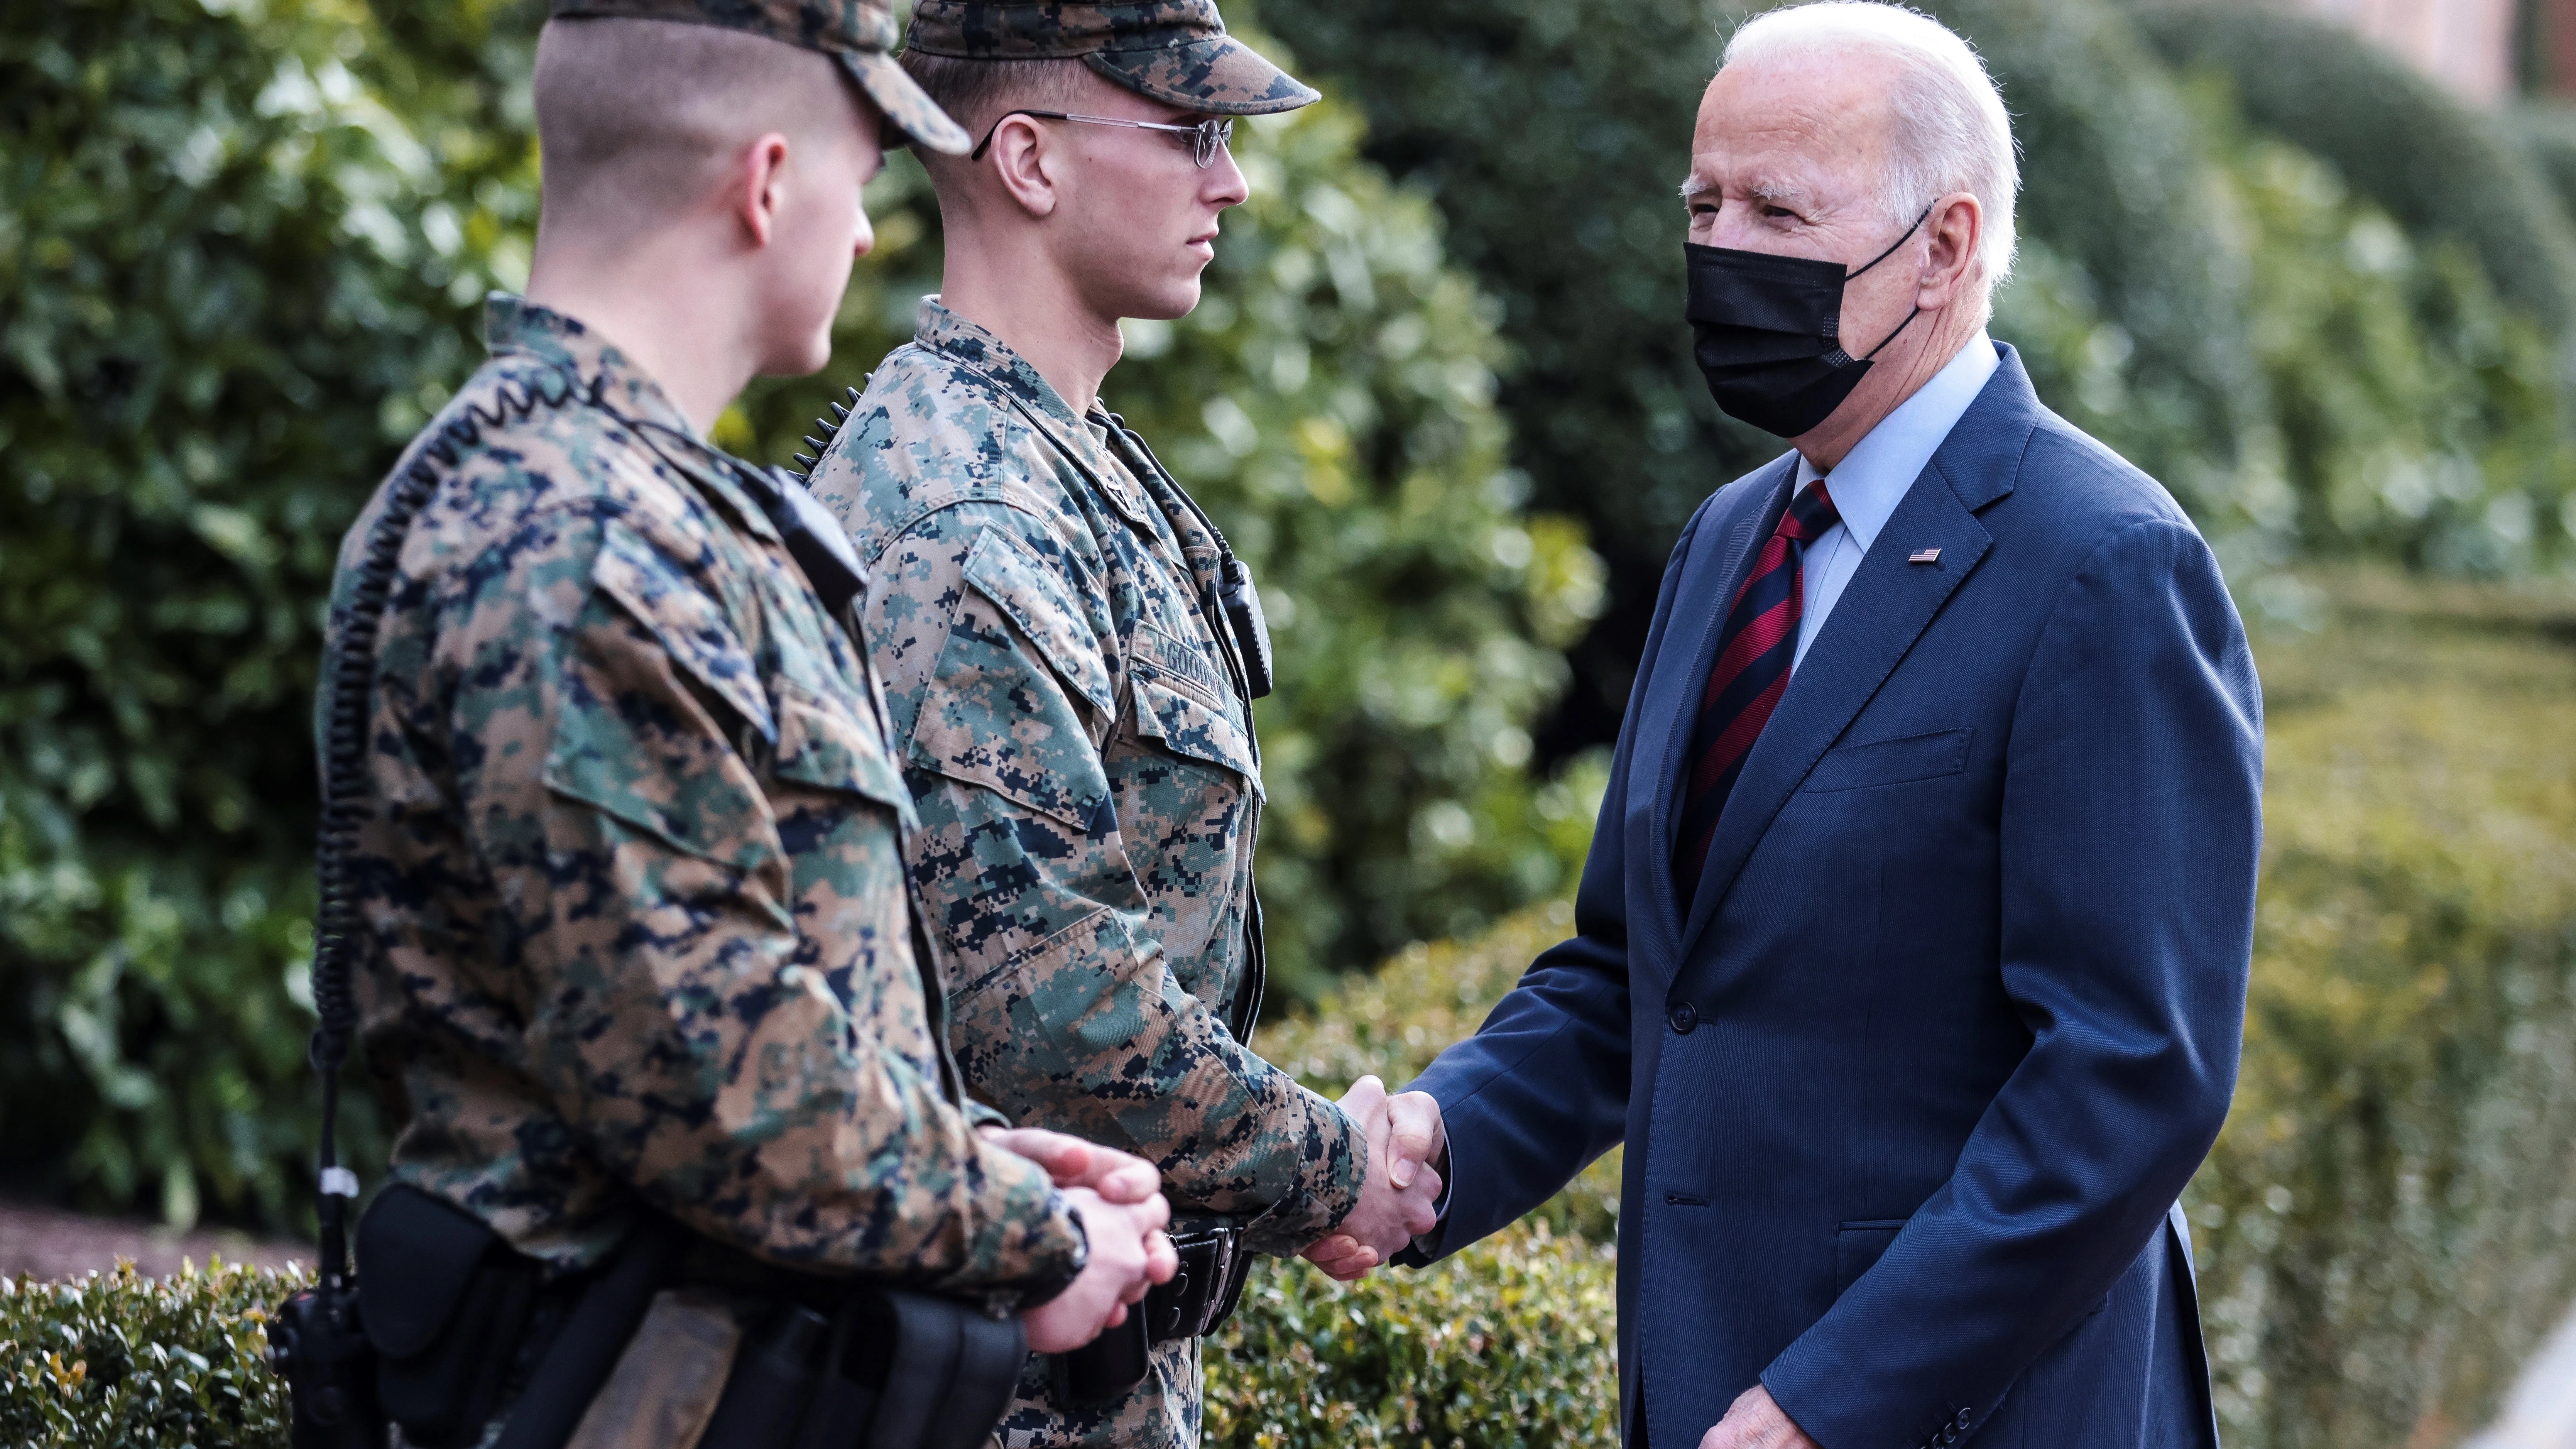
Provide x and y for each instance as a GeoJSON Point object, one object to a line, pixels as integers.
{"type": "Point", "coordinates": [1238, 618]}
{"type": "Point", "coordinates": [336, 923]}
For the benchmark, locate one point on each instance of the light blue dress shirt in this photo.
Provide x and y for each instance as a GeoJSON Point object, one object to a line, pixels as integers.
{"type": "Point", "coordinates": [1872, 478]}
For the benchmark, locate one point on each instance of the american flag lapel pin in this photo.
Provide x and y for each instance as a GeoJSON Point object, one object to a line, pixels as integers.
{"type": "Point", "coordinates": [1924, 555]}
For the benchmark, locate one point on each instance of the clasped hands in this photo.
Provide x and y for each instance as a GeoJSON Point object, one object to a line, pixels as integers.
{"type": "Point", "coordinates": [1120, 1197]}
{"type": "Point", "coordinates": [1407, 1148]}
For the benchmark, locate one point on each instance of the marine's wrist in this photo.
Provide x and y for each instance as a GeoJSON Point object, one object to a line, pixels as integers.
{"type": "Point", "coordinates": [1339, 1168]}
{"type": "Point", "coordinates": [1061, 1267]}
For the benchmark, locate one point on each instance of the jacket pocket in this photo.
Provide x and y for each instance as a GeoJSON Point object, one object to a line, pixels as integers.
{"type": "Point", "coordinates": [685, 619]}
{"type": "Point", "coordinates": [1037, 603]}
{"type": "Point", "coordinates": [1858, 1246]}
{"type": "Point", "coordinates": [1003, 709]}
{"type": "Point", "coordinates": [823, 744]}
{"type": "Point", "coordinates": [631, 734]}
{"type": "Point", "coordinates": [1892, 762]}
{"type": "Point", "coordinates": [1191, 729]}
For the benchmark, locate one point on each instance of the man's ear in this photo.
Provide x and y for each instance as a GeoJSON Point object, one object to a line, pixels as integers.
{"type": "Point", "coordinates": [759, 187]}
{"type": "Point", "coordinates": [1956, 229]}
{"type": "Point", "coordinates": [1026, 164]}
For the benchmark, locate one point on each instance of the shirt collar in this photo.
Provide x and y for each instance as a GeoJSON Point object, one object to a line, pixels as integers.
{"type": "Point", "coordinates": [516, 327]}
{"type": "Point", "coordinates": [961, 340]}
{"type": "Point", "coordinates": [943, 331]}
{"type": "Point", "coordinates": [1874, 476]}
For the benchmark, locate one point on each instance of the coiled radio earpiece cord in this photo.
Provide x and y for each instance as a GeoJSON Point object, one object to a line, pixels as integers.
{"type": "Point", "coordinates": [337, 925]}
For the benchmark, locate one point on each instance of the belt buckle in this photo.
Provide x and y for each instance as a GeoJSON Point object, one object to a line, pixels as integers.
{"type": "Point", "coordinates": [1184, 1305]}
{"type": "Point", "coordinates": [1229, 1242]}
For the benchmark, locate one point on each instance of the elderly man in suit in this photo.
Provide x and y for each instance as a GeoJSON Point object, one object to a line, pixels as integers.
{"type": "Point", "coordinates": [1914, 937]}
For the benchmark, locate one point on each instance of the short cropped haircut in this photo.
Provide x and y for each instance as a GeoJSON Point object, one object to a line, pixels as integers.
{"type": "Point", "coordinates": [978, 93]}
{"type": "Point", "coordinates": [1952, 132]}
{"type": "Point", "coordinates": [637, 119]}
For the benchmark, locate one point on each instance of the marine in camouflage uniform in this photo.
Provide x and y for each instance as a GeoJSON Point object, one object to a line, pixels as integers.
{"type": "Point", "coordinates": [1073, 718]}
{"type": "Point", "coordinates": [638, 932]}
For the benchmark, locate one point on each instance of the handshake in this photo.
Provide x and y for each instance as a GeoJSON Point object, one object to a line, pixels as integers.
{"type": "Point", "coordinates": [1124, 1212]}
{"type": "Point", "coordinates": [1407, 1149]}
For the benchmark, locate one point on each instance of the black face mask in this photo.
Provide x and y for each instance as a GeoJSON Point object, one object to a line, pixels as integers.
{"type": "Point", "coordinates": [1763, 326]}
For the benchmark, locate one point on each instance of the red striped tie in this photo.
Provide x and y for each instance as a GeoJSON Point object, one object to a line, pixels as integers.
{"type": "Point", "coordinates": [1752, 669]}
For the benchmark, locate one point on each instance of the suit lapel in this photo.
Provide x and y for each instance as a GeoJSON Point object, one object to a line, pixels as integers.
{"type": "Point", "coordinates": [1886, 607]}
{"type": "Point", "coordinates": [1718, 564]}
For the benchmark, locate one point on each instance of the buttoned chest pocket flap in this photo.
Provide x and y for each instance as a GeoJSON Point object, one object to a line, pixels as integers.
{"type": "Point", "coordinates": [1194, 730]}
{"type": "Point", "coordinates": [1902, 761]}
{"type": "Point", "coordinates": [829, 743]}
{"type": "Point", "coordinates": [620, 751]}
{"type": "Point", "coordinates": [1001, 708]}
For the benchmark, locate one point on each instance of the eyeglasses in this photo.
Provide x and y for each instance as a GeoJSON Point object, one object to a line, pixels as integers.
{"type": "Point", "coordinates": [1206, 138]}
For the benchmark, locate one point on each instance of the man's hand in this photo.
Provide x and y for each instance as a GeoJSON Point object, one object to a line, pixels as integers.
{"type": "Point", "coordinates": [1129, 1254]}
{"type": "Point", "coordinates": [1754, 1422]}
{"type": "Point", "coordinates": [1407, 1143]}
{"type": "Point", "coordinates": [1117, 1176]}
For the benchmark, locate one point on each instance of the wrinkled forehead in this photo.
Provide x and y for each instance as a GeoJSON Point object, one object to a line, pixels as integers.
{"type": "Point", "coordinates": [1811, 127]}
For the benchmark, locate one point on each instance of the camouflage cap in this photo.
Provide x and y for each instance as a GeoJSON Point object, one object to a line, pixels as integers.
{"type": "Point", "coordinates": [1174, 51]}
{"type": "Point", "coordinates": [859, 33]}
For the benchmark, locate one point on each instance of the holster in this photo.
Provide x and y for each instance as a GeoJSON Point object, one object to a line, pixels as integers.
{"type": "Point", "coordinates": [450, 1309]}
{"type": "Point", "coordinates": [891, 1368]}
{"type": "Point", "coordinates": [1198, 1300]}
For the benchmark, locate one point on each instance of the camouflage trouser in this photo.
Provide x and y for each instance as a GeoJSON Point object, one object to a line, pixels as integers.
{"type": "Point", "coordinates": [1162, 1413]}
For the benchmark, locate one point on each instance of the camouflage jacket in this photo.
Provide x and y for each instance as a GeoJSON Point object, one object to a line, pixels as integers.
{"type": "Point", "coordinates": [1088, 786]}
{"type": "Point", "coordinates": [632, 868]}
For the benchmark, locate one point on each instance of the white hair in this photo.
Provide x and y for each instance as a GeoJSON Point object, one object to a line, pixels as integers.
{"type": "Point", "coordinates": [1951, 131]}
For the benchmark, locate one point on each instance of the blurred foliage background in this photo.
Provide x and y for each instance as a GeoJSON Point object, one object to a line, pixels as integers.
{"type": "Point", "coordinates": [1440, 396]}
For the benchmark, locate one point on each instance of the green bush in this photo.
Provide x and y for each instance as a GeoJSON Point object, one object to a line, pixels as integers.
{"type": "Point", "coordinates": [2444, 171]}
{"type": "Point", "coordinates": [2113, 207]}
{"type": "Point", "coordinates": [141, 1363]}
{"type": "Point", "coordinates": [2415, 413]}
{"type": "Point", "coordinates": [1510, 1345]}
{"type": "Point", "coordinates": [2388, 1226]}
{"type": "Point", "coordinates": [230, 281]}
{"type": "Point", "coordinates": [2548, 137]}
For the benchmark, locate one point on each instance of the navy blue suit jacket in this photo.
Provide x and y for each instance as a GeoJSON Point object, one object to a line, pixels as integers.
{"type": "Point", "coordinates": [1910, 1093]}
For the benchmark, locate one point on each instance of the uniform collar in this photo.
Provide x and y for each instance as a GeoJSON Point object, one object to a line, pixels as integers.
{"type": "Point", "coordinates": [960, 340]}
{"type": "Point", "coordinates": [947, 333]}
{"type": "Point", "coordinates": [515, 328]}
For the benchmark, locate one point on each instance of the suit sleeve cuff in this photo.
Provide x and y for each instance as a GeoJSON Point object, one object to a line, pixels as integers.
{"type": "Point", "coordinates": [1424, 1250]}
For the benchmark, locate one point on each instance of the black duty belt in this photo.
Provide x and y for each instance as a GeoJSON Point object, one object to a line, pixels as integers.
{"type": "Point", "coordinates": [1198, 1300]}
{"type": "Point", "coordinates": [1203, 1292]}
